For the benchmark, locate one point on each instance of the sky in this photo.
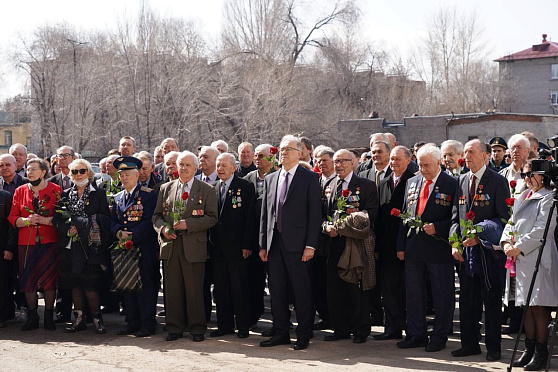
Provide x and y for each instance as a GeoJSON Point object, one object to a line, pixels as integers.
{"type": "Point", "coordinates": [509, 25]}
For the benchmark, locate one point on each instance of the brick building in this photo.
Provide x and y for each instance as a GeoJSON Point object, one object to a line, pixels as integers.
{"type": "Point", "coordinates": [355, 133]}
{"type": "Point", "coordinates": [535, 72]}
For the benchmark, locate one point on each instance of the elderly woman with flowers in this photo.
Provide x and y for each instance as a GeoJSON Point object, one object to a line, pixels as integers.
{"type": "Point", "coordinates": [521, 242]}
{"type": "Point", "coordinates": [32, 210]}
{"type": "Point", "coordinates": [82, 218]}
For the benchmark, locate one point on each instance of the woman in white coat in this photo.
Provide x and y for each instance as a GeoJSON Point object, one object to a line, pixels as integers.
{"type": "Point", "coordinates": [530, 214]}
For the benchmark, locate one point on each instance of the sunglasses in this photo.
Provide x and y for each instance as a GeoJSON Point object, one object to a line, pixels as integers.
{"type": "Point", "coordinates": [80, 171]}
{"type": "Point", "coordinates": [528, 174]}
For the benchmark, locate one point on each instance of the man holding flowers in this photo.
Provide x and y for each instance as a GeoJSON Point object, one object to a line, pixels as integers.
{"type": "Point", "coordinates": [347, 303]}
{"type": "Point", "coordinates": [183, 241]}
{"type": "Point", "coordinates": [426, 251]}
{"type": "Point", "coordinates": [480, 197]}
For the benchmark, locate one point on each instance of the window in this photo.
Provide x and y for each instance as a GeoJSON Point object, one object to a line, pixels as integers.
{"type": "Point", "coordinates": [554, 71]}
{"type": "Point", "coordinates": [8, 137]}
{"type": "Point", "coordinates": [554, 97]}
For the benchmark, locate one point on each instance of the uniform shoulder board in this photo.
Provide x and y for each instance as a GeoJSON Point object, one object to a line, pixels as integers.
{"type": "Point", "coordinates": [146, 189]}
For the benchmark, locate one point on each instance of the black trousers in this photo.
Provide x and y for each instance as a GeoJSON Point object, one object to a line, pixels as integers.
{"type": "Point", "coordinates": [231, 293]}
{"type": "Point", "coordinates": [7, 304]}
{"type": "Point", "coordinates": [207, 282]}
{"type": "Point", "coordinates": [319, 287]}
{"type": "Point", "coordinates": [443, 297]}
{"type": "Point", "coordinates": [285, 265]}
{"type": "Point", "coordinates": [392, 279]}
{"type": "Point", "coordinates": [141, 307]}
{"type": "Point", "coordinates": [348, 304]}
{"type": "Point", "coordinates": [256, 286]}
{"type": "Point", "coordinates": [469, 299]}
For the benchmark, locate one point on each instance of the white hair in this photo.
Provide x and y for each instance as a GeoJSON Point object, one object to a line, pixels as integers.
{"type": "Point", "coordinates": [455, 145]}
{"type": "Point", "coordinates": [232, 159]}
{"type": "Point", "coordinates": [290, 137]}
{"type": "Point", "coordinates": [184, 154]}
{"type": "Point", "coordinates": [516, 138]}
{"type": "Point", "coordinates": [431, 150]}
{"type": "Point", "coordinates": [171, 155]}
{"type": "Point", "coordinates": [214, 144]}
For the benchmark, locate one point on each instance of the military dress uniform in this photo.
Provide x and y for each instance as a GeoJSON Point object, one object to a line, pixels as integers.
{"type": "Point", "coordinates": [133, 212]}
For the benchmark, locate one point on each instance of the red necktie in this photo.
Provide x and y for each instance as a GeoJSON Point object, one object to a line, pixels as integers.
{"type": "Point", "coordinates": [473, 188]}
{"type": "Point", "coordinates": [423, 197]}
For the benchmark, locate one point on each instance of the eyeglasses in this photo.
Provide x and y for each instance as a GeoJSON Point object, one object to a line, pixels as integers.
{"type": "Point", "coordinates": [527, 174]}
{"type": "Point", "coordinates": [339, 161]}
{"type": "Point", "coordinates": [66, 155]}
{"type": "Point", "coordinates": [80, 171]}
{"type": "Point", "coordinates": [287, 149]}
{"type": "Point", "coordinates": [507, 156]}
{"type": "Point", "coordinates": [259, 156]}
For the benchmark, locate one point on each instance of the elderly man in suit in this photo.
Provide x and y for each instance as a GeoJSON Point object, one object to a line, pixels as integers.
{"type": "Point", "coordinates": [289, 228]}
{"type": "Point", "coordinates": [65, 156]}
{"type": "Point", "coordinates": [184, 246]}
{"type": "Point", "coordinates": [255, 266]}
{"type": "Point", "coordinates": [230, 245]}
{"type": "Point", "coordinates": [131, 214]}
{"type": "Point", "coordinates": [391, 193]}
{"type": "Point", "coordinates": [168, 145]}
{"type": "Point", "coordinates": [483, 192]}
{"type": "Point", "coordinates": [147, 177]}
{"type": "Point", "coordinates": [347, 303]}
{"type": "Point", "coordinates": [427, 253]}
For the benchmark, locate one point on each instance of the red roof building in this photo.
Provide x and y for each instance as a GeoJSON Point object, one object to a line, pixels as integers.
{"type": "Point", "coordinates": [534, 73]}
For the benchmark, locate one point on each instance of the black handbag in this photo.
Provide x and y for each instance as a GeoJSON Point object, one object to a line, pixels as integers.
{"type": "Point", "coordinates": [126, 270]}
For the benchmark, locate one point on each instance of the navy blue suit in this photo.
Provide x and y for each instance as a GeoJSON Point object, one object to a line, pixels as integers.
{"type": "Point", "coordinates": [483, 270]}
{"type": "Point", "coordinates": [135, 217]}
{"type": "Point", "coordinates": [426, 256]}
{"type": "Point", "coordinates": [300, 221]}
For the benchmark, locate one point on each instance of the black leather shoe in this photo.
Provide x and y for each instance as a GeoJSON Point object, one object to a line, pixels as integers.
{"type": "Point", "coordinates": [243, 334]}
{"type": "Point", "coordinates": [144, 332]}
{"type": "Point", "coordinates": [301, 343]}
{"type": "Point", "coordinates": [127, 330]}
{"type": "Point", "coordinates": [198, 337]}
{"type": "Point", "coordinates": [270, 332]}
{"type": "Point", "coordinates": [493, 356]}
{"type": "Point", "coordinates": [435, 346]}
{"type": "Point", "coordinates": [463, 352]}
{"type": "Point", "coordinates": [219, 333]}
{"type": "Point", "coordinates": [276, 340]}
{"type": "Point", "coordinates": [387, 336]}
{"type": "Point", "coordinates": [359, 339]}
{"type": "Point", "coordinates": [412, 342]}
{"type": "Point", "coordinates": [336, 337]}
{"type": "Point", "coordinates": [173, 336]}
{"type": "Point", "coordinates": [62, 319]}
{"type": "Point", "coordinates": [321, 325]}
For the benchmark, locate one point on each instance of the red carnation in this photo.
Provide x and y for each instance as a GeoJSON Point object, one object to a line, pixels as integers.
{"type": "Point", "coordinates": [513, 184]}
{"type": "Point", "coordinates": [184, 195]}
{"type": "Point", "coordinates": [395, 212]}
{"type": "Point", "coordinates": [175, 174]}
{"type": "Point", "coordinates": [461, 162]}
{"type": "Point", "coordinates": [273, 150]}
{"type": "Point", "coordinates": [470, 215]}
{"type": "Point", "coordinates": [345, 193]}
{"type": "Point", "coordinates": [510, 201]}
{"type": "Point", "coordinates": [129, 245]}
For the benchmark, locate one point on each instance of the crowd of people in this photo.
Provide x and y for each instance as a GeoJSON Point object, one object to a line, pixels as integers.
{"type": "Point", "coordinates": [356, 239]}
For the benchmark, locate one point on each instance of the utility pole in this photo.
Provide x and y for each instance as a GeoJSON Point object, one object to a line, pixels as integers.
{"type": "Point", "coordinates": [75, 44]}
